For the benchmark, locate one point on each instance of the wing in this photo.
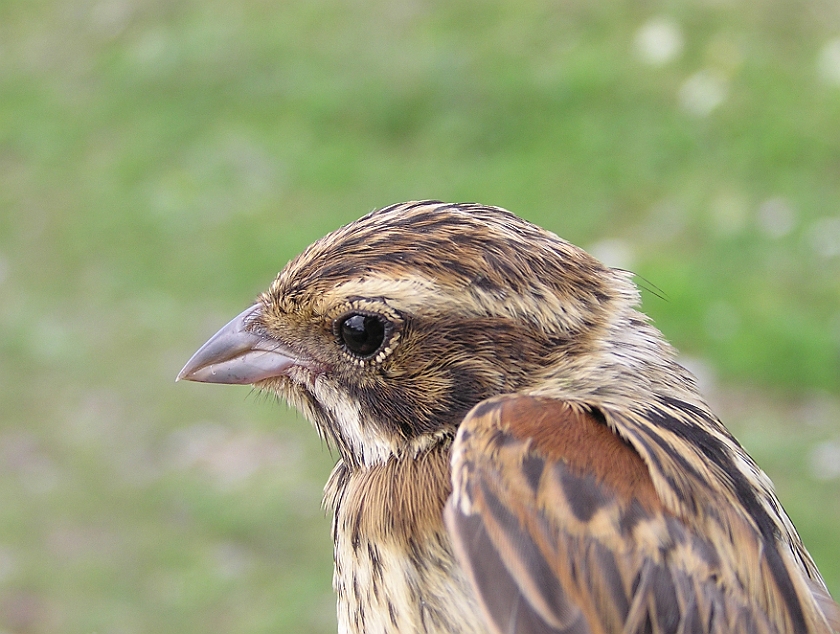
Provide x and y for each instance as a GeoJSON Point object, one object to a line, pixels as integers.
{"type": "Point", "coordinates": [559, 528]}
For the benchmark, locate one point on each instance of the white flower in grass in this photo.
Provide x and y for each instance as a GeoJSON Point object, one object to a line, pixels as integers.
{"type": "Point", "coordinates": [614, 252]}
{"type": "Point", "coordinates": [776, 218]}
{"type": "Point", "coordinates": [828, 62]}
{"type": "Point", "coordinates": [703, 92]}
{"type": "Point", "coordinates": [824, 236]}
{"type": "Point", "coordinates": [658, 41]}
{"type": "Point", "coordinates": [825, 460]}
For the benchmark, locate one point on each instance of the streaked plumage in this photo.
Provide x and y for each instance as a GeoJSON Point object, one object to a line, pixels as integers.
{"type": "Point", "coordinates": [457, 356]}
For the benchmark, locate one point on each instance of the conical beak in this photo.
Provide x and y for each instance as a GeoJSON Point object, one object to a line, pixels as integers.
{"type": "Point", "coordinates": [236, 356]}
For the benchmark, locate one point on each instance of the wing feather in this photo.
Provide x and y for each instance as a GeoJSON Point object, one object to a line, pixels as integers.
{"type": "Point", "coordinates": [558, 524]}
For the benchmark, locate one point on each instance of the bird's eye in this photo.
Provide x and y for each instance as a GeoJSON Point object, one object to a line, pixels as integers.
{"type": "Point", "coordinates": [362, 334]}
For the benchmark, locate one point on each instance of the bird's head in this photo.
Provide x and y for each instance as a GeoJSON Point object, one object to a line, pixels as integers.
{"type": "Point", "coordinates": [387, 331]}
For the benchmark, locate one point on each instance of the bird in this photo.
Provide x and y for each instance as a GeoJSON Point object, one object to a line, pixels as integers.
{"type": "Point", "coordinates": [518, 448]}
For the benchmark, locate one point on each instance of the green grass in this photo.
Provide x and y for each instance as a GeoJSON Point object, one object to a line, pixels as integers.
{"type": "Point", "coordinates": [160, 162]}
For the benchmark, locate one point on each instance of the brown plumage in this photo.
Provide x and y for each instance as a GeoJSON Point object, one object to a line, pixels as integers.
{"type": "Point", "coordinates": [518, 449]}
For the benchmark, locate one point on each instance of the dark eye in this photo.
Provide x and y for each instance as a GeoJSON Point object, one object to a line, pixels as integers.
{"type": "Point", "coordinates": [362, 334]}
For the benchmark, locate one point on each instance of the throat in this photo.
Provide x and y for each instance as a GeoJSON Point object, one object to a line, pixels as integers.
{"type": "Point", "coordinates": [395, 499]}
{"type": "Point", "coordinates": [395, 570]}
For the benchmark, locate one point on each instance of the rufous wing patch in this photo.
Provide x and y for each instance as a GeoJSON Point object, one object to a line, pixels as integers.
{"type": "Point", "coordinates": [557, 522]}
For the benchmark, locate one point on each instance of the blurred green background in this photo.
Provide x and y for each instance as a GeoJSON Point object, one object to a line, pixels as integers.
{"type": "Point", "coordinates": [160, 161]}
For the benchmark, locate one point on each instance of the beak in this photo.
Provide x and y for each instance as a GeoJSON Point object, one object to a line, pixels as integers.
{"type": "Point", "coordinates": [236, 356]}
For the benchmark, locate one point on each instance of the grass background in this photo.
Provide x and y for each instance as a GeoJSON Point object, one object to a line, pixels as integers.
{"type": "Point", "coordinates": [161, 161]}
